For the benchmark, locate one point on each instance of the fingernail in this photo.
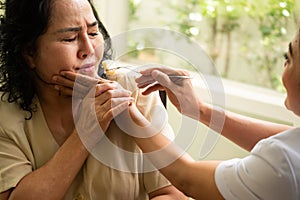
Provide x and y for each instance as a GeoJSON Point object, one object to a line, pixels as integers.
{"type": "Point", "coordinates": [129, 94]}
{"type": "Point", "coordinates": [130, 102]}
{"type": "Point", "coordinates": [57, 87]}
{"type": "Point", "coordinates": [54, 78]}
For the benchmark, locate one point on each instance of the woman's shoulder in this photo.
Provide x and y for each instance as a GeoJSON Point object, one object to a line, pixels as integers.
{"type": "Point", "coordinates": [10, 112]}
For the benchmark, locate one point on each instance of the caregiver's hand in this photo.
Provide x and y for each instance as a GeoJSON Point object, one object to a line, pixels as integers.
{"type": "Point", "coordinates": [180, 91]}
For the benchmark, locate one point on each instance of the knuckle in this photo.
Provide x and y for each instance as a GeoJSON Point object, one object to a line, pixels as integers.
{"type": "Point", "coordinates": [109, 93]}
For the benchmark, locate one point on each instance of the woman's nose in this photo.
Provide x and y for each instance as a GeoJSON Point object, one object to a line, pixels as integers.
{"type": "Point", "coordinates": [86, 47]}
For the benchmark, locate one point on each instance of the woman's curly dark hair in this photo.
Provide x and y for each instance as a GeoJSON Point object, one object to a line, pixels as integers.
{"type": "Point", "coordinates": [21, 25]}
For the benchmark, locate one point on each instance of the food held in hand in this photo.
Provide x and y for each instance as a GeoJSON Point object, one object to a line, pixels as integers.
{"type": "Point", "coordinates": [107, 66]}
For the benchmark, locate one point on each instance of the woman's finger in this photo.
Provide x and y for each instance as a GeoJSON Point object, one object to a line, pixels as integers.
{"type": "Point", "coordinates": [80, 79]}
{"type": "Point", "coordinates": [110, 110]}
{"type": "Point", "coordinates": [63, 91]}
{"type": "Point", "coordinates": [109, 94]}
{"type": "Point", "coordinates": [69, 75]}
{"type": "Point", "coordinates": [103, 87]}
{"type": "Point", "coordinates": [120, 105]}
{"type": "Point", "coordinates": [94, 92]}
{"type": "Point", "coordinates": [63, 81]}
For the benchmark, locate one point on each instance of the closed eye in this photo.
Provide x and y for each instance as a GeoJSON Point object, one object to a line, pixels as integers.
{"type": "Point", "coordinates": [69, 39]}
{"type": "Point", "coordinates": [286, 57]}
{"type": "Point", "coordinates": [94, 34]}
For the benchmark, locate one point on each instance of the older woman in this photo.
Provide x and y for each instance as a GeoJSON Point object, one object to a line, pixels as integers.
{"type": "Point", "coordinates": [42, 155]}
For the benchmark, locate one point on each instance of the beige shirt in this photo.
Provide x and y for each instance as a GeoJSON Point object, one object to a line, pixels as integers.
{"type": "Point", "coordinates": [26, 145]}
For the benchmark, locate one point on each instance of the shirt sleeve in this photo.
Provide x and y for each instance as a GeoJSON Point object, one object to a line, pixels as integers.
{"type": "Point", "coordinates": [16, 156]}
{"type": "Point", "coordinates": [154, 181]}
{"type": "Point", "coordinates": [265, 174]}
{"type": "Point", "coordinates": [13, 164]}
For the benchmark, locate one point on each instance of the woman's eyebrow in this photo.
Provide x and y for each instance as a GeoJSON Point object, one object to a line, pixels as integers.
{"type": "Point", "coordinates": [70, 29]}
{"type": "Point", "coordinates": [93, 24]}
{"type": "Point", "coordinates": [291, 49]}
{"type": "Point", "coordinates": [76, 29]}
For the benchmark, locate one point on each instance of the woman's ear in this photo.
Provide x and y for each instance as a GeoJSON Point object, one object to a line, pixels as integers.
{"type": "Point", "coordinates": [29, 57]}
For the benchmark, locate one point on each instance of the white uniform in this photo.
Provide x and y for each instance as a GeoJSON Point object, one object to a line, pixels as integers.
{"type": "Point", "coordinates": [271, 171]}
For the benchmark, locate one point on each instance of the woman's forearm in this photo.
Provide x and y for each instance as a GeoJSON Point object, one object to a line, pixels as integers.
{"type": "Point", "coordinates": [52, 180]}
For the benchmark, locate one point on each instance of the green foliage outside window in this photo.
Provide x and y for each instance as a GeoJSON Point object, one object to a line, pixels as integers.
{"type": "Point", "coordinates": [252, 32]}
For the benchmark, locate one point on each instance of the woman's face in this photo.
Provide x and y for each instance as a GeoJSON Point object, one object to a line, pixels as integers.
{"type": "Point", "coordinates": [291, 76]}
{"type": "Point", "coordinates": [72, 41]}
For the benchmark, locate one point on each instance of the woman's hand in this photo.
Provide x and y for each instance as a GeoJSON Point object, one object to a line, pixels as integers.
{"type": "Point", "coordinates": [180, 91]}
{"type": "Point", "coordinates": [94, 101]}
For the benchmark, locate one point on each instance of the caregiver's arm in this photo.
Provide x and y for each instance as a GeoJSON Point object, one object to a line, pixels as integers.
{"type": "Point", "coordinates": [195, 179]}
{"type": "Point", "coordinates": [242, 130]}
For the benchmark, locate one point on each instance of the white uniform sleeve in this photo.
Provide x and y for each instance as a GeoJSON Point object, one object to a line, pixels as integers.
{"type": "Point", "coordinates": [267, 173]}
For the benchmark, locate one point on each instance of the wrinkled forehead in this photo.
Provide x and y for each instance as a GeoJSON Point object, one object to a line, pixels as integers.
{"type": "Point", "coordinates": [71, 9]}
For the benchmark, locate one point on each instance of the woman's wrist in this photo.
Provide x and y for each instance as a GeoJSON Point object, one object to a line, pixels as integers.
{"type": "Point", "coordinates": [137, 117]}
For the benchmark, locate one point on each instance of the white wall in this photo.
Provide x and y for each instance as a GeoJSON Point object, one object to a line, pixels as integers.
{"type": "Point", "coordinates": [114, 15]}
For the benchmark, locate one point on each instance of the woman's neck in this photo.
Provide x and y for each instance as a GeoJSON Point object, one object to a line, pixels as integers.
{"type": "Point", "coordinates": [52, 102]}
{"type": "Point", "coordinates": [57, 111]}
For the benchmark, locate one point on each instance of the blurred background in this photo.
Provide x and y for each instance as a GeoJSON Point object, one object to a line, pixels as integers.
{"type": "Point", "coordinates": [245, 39]}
